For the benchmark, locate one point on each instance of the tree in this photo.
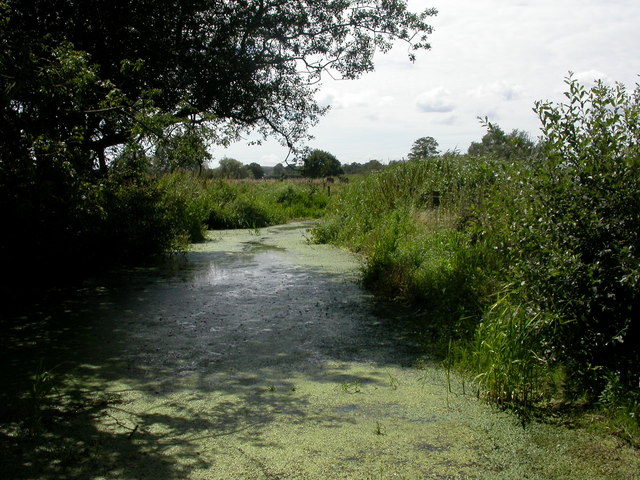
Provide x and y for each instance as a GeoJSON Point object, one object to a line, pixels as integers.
{"type": "Point", "coordinates": [372, 166]}
{"type": "Point", "coordinates": [96, 74]}
{"type": "Point", "coordinates": [81, 82]}
{"type": "Point", "coordinates": [424, 147]}
{"type": "Point", "coordinates": [278, 171]}
{"type": "Point", "coordinates": [186, 151]}
{"type": "Point", "coordinates": [321, 164]}
{"type": "Point", "coordinates": [232, 168]}
{"type": "Point", "coordinates": [496, 143]}
{"type": "Point", "coordinates": [257, 172]}
{"type": "Point", "coordinates": [358, 168]}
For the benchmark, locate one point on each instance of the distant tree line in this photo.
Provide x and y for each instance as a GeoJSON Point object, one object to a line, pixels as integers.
{"type": "Point", "coordinates": [317, 164]}
{"type": "Point", "coordinates": [495, 143]}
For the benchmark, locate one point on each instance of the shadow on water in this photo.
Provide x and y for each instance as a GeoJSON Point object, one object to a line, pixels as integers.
{"type": "Point", "coordinates": [136, 374]}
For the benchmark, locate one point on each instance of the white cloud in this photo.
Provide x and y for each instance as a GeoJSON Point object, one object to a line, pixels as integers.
{"type": "Point", "coordinates": [437, 100]}
{"type": "Point", "coordinates": [498, 90]}
{"type": "Point", "coordinates": [447, 120]}
{"type": "Point", "coordinates": [339, 100]}
{"type": "Point", "coordinates": [589, 77]}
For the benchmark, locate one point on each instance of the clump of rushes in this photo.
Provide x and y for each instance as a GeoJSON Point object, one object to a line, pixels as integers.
{"type": "Point", "coordinates": [506, 355]}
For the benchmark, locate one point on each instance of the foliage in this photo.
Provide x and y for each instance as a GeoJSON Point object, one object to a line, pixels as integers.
{"type": "Point", "coordinates": [576, 246]}
{"type": "Point", "coordinates": [202, 60]}
{"type": "Point", "coordinates": [231, 168]}
{"type": "Point", "coordinates": [84, 84]}
{"type": "Point", "coordinates": [257, 172]}
{"type": "Point", "coordinates": [415, 251]}
{"type": "Point", "coordinates": [359, 168]}
{"type": "Point", "coordinates": [424, 147]}
{"type": "Point", "coordinates": [460, 182]}
{"type": "Point", "coordinates": [563, 233]}
{"type": "Point", "coordinates": [278, 171]}
{"type": "Point", "coordinates": [504, 354]}
{"type": "Point", "coordinates": [249, 204]}
{"type": "Point", "coordinates": [186, 150]}
{"type": "Point", "coordinates": [497, 143]}
{"type": "Point", "coordinates": [320, 164]}
{"type": "Point", "coordinates": [189, 202]}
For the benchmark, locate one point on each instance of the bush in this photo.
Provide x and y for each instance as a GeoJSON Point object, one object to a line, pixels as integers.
{"type": "Point", "coordinates": [249, 204]}
{"type": "Point", "coordinates": [576, 244]}
{"type": "Point", "coordinates": [188, 202]}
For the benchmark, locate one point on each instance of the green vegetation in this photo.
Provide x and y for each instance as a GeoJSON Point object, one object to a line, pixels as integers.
{"type": "Point", "coordinates": [523, 257]}
{"type": "Point", "coordinates": [99, 98]}
{"type": "Point", "coordinates": [525, 261]}
{"type": "Point", "coordinates": [359, 168]}
{"type": "Point", "coordinates": [249, 204]}
{"type": "Point", "coordinates": [321, 164]}
{"type": "Point", "coordinates": [424, 147]}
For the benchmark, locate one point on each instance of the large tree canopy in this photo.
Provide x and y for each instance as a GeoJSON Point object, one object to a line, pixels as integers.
{"type": "Point", "coordinates": [499, 144]}
{"type": "Point", "coordinates": [79, 77]}
{"type": "Point", "coordinates": [423, 147]}
{"type": "Point", "coordinates": [321, 164]}
{"type": "Point", "coordinates": [95, 92]}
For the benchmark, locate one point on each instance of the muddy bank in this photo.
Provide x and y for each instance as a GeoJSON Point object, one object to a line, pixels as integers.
{"type": "Point", "coordinates": [257, 355]}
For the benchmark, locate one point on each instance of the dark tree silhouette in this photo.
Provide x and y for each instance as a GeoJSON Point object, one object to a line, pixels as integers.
{"type": "Point", "coordinates": [321, 164]}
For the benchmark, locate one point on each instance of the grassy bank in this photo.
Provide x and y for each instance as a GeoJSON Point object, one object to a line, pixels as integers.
{"type": "Point", "coordinates": [526, 270]}
{"type": "Point", "coordinates": [415, 251]}
{"type": "Point", "coordinates": [260, 203]}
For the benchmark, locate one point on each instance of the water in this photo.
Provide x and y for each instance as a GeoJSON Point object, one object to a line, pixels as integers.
{"type": "Point", "coordinates": [255, 355]}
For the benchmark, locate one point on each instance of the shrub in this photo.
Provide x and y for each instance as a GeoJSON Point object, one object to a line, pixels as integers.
{"type": "Point", "coordinates": [188, 202]}
{"type": "Point", "coordinates": [249, 204]}
{"type": "Point", "coordinates": [571, 231]}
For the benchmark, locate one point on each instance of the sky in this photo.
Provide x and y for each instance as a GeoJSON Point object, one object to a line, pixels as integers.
{"type": "Point", "coordinates": [492, 58]}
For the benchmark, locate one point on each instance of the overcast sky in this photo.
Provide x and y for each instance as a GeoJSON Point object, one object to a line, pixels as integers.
{"type": "Point", "coordinates": [491, 58]}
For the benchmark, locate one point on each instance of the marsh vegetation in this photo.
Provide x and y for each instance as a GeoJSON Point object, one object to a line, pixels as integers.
{"type": "Point", "coordinates": [526, 267]}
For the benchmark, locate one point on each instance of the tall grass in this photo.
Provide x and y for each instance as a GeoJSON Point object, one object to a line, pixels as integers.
{"type": "Point", "coordinates": [419, 250]}
{"type": "Point", "coordinates": [506, 354]}
{"type": "Point", "coordinates": [450, 258]}
{"type": "Point", "coordinates": [251, 204]}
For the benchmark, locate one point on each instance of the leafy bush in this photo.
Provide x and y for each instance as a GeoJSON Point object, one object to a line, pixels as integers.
{"type": "Point", "coordinates": [148, 215]}
{"type": "Point", "coordinates": [188, 202]}
{"type": "Point", "coordinates": [576, 244]}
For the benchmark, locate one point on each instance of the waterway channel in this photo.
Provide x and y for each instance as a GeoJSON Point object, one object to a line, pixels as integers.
{"type": "Point", "coordinates": [257, 355]}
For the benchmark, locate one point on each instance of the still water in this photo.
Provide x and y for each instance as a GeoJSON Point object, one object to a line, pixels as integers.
{"type": "Point", "coordinates": [255, 355]}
